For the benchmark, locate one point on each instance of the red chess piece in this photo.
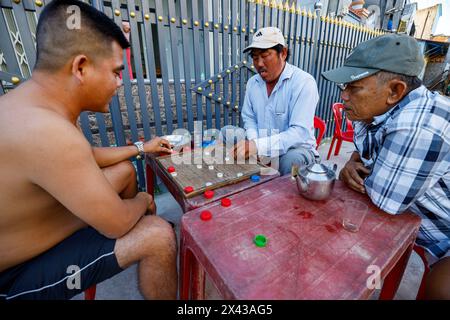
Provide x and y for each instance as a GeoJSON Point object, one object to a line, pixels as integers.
{"type": "Point", "coordinates": [226, 202]}
{"type": "Point", "coordinates": [205, 215]}
{"type": "Point", "coordinates": [171, 169]}
{"type": "Point", "coordinates": [209, 194]}
{"type": "Point", "coordinates": [188, 189]}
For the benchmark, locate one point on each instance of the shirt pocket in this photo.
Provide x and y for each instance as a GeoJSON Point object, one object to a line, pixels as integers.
{"type": "Point", "coordinates": [280, 108]}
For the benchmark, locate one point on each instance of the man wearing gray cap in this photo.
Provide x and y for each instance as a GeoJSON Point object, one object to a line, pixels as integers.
{"type": "Point", "coordinates": [402, 137]}
{"type": "Point", "coordinates": [279, 106]}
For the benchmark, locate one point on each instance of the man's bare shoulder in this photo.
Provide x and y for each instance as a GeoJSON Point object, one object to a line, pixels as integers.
{"type": "Point", "coordinates": [33, 124]}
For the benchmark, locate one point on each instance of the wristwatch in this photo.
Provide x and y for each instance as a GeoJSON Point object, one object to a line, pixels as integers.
{"type": "Point", "coordinates": [140, 146]}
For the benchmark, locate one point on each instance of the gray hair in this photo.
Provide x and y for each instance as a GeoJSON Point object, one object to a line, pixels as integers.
{"type": "Point", "coordinates": [412, 82]}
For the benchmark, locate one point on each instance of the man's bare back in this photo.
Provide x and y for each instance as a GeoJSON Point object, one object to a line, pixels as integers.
{"type": "Point", "coordinates": [31, 219]}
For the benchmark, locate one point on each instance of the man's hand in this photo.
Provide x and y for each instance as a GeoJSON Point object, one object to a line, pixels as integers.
{"type": "Point", "coordinates": [157, 145]}
{"type": "Point", "coordinates": [354, 172]}
{"type": "Point", "coordinates": [244, 149]}
{"type": "Point", "coordinates": [150, 203]}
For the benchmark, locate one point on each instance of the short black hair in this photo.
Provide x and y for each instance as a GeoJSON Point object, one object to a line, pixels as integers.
{"type": "Point", "coordinates": [279, 48]}
{"type": "Point", "coordinates": [56, 42]}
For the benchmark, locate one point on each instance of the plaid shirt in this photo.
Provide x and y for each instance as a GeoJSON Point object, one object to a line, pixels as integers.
{"type": "Point", "coordinates": [408, 151]}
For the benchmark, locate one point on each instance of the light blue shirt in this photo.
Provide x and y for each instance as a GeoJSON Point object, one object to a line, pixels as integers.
{"type": "Point", "coordinates": [285, 119]}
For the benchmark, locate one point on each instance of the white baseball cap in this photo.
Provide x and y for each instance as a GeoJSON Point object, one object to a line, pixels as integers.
{"type": "Point", "coordinates": [266, 38]}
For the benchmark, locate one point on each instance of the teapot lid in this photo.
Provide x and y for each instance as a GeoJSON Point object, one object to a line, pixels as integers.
{"type": "Point", "coordinates": [318, 168]}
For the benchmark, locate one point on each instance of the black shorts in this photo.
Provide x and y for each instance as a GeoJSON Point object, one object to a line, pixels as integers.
{"type": "Point", "coordinates": [72, 266]}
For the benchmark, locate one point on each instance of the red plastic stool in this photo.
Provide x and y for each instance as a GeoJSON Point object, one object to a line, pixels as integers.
{"type": "Point", "coordinates": [89, 294]}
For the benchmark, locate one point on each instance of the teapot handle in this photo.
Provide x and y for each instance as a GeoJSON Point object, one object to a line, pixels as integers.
{"type": "Point", "coordinates": [294, 170]}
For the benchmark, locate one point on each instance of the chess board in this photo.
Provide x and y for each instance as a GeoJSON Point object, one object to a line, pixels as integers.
{"type": "Point", "coordinates": [200, 174]}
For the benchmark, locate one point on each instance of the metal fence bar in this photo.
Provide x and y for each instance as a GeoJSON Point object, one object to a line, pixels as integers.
{"type": "Point", "coordinates": [136, 48]}
{"type": "Point", "coordinates": [242, 70]}
{"type": "Point", "coordinates": [266, 14]}
{"type": "Point", "coordinates": [334, 58]}
{"type": "Point", "coordinates": [327, 84]}
{"type": "Point", "coordinates": [197, 56]}
{"type": "Point", "coordinates": [150, 53]}
{"type": "Point", "coordinates": [187, 65]}
{"type": "Point", "coordinates": [309, 38]}
{"type": "Point", "coordinates": [8, 49]}
{"type": "Point", "coordinates": [217, 65]}
{"type": "Point", "coordinates": [258, 11]}
{"type": "Point", "coordinates": [207, 62]}
{"type": "Point", "coordinates": [226, 61]}
{"type": "Point", "coordinates": [175, 62]}
{"type": "Point", "coordinates": [25, 33]}
{"type": "Point", "coordinates": [302, 52]}
{"type": "Point", "coordinates": [323, 65]}
{"type": "Point", "coordinates": [235, 54]}
{"type": "Point", "coordinates": [161, 24]}
{"type": "Point", "coordinates": [297, 38]}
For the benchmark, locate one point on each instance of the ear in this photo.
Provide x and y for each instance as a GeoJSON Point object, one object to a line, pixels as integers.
{"type": "Point", "coordinates": [79, 67]}
{"type": "Point", "coordinates": [284, 53]}
{"type": "Point", "coordinates": [398, 90]}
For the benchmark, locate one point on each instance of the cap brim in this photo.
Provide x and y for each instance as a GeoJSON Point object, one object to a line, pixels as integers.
{"type": "Point", "coordinates": [265, 45]}
{"type": "Point", "coordinates": [347, 74]}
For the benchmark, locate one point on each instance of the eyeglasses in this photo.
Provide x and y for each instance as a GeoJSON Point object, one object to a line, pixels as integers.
{"type": "Point", "coordinates": [342, 86]}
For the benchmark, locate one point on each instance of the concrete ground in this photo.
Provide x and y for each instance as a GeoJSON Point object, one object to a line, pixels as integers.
{"type": "Point", "coordinates": [124, 285]}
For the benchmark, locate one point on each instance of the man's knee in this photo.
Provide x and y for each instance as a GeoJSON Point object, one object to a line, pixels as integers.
{"type": "Point", "coordinates": [159, 234]}
{"type": "Point", "coordinates": [126, 169]}
{"type": "Point", "coordinates": [297, 157]}
{"type": "Point", "coordinates": [438, 280]}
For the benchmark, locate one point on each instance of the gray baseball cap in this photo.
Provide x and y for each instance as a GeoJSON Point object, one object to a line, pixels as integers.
{"type": "Point", "coordinates": [390, 52]}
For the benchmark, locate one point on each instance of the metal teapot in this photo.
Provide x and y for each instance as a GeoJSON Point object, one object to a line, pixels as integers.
{"type": "Point", "coordinates": [315, 181]}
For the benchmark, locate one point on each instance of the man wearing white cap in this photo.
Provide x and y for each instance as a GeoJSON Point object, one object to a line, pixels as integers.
{"type": "Point", "coordinates": [279, 106]}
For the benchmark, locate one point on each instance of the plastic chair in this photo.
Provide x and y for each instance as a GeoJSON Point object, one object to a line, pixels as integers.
{"type": "Point", "coordinates": [340, 135]}
{"type": "Point", "coordinates": [319, 124]}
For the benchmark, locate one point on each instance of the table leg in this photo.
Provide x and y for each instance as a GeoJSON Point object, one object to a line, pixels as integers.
{"type": "Point", "coordinates": [393, 279]}
{"type": "Point", "coordinates": [185, 271]}
{"type": "Point", "coordinates": [198, 281]}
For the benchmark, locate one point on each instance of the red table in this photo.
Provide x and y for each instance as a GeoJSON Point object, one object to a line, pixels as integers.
{"type": "Point", "coordinates": [187, 204]}
{"type": "Point", "coordinates": [308, 254]}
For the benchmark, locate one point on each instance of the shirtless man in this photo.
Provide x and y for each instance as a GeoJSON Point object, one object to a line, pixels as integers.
{"type": "Point", "coordinates": [63, 203]}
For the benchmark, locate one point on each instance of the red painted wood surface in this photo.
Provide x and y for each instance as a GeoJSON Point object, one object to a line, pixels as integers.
{"type": "Point", "coordinates": [187, 204]}
{"type": "Point", "coordinates": [308, 254]}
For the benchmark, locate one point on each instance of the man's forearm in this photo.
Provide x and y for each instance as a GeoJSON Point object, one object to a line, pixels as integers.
{"type": "Point", "coordinates": [108, 156]}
